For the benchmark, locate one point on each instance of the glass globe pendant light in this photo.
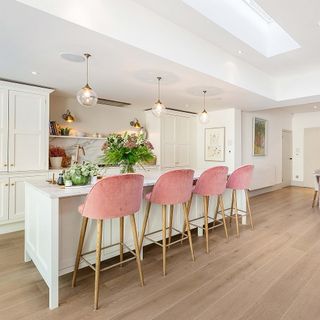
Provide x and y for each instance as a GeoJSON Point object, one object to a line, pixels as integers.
{"type": "Point", "coordinates": [86, 96]}
{"type": "Point", "coordinates": [158, 107]}
{"type": "Point", "coordinates": [203, 116]}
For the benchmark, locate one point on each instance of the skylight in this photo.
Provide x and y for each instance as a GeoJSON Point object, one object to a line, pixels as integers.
{"type": "Point", "coordinates": [248, 22]}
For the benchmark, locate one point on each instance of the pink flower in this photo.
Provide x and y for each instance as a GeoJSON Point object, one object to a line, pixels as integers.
{"type": "Point", "coordinates": [149, 145]}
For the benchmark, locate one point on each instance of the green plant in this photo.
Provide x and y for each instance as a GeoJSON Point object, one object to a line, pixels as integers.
{"type": "Point", "coordinates": [126, 151]}
{"type": "Point", "coordinates": [80, 173]}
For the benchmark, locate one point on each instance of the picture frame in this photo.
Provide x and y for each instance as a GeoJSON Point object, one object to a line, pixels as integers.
{"type": "Point", "coordinates": [259, 137]}
{"type": "Point", "coordinates": [214, 144]}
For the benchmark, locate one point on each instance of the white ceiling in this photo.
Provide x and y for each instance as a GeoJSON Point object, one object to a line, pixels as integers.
{"type": "Point", "coordinates": [299, 18]}
{"type": "Point", "coordinates": [34, 39]}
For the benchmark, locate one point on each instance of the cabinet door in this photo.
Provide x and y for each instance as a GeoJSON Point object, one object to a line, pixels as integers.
{"type": "Point", "coordinates": [4, 130]}
{"type": "Point", "coordinates": [16, 195]}
{"type": "Point", "coordinates": [168, 141]}
{"type": "Point", "coordinates": [182, 141]}
{"type": "Point", "coordinates": [28, 131]}
{"type": "Point", "coordinates": [4, 199]}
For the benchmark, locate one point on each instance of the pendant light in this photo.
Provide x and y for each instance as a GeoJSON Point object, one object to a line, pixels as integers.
{"type": "Point", "coordinates": [203, 116]}
{"type": "Point", "coordinates": [158, 107]}
{"type": "Point", "coordinates": [86, 96]}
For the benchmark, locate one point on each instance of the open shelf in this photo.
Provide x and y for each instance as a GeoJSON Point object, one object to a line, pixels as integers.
{"type": "Point", "coordinates": [75, 137]}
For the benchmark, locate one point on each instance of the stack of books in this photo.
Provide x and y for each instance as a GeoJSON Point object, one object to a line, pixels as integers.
{"type": "Point", "coordinates": [54, 129]}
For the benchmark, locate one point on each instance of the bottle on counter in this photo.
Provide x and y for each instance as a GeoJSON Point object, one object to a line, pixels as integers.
{"type": "Point", "coordinates": [60, 181]}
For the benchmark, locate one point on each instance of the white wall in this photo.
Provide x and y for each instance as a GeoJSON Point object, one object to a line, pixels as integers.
{"type": "Point", "coordinates": [99, 119]}
{"type": "Point", "coordinates": [277, 121]}
{"type": "Point", "coordinates": [231, 120]}
{"type": "Point", "coordinates": [300, 122]}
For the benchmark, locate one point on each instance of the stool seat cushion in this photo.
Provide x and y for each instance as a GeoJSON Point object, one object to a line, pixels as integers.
{"type": "Point", "coordinates": [80, 208]}
{"type": "Point", "coordinates": [148, 196]}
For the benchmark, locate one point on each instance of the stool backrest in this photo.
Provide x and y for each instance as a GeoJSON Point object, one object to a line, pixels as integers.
{"type": "Point", "coordinates": [173, 187]}
{"type": "Point", "coordinates": [115, 196]}
{"type": "Point", "coordinates": [240, 179]}
{"type": "Point", "coordinates": [212, 181]}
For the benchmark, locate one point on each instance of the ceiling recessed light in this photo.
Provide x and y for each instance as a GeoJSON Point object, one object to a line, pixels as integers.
{"type": "Point", "coordinates": [240, 52]}
{"type": "Point", "coordinates": [315, 107]}
{"type": "Point", "coordinates": [72, 57]}
{"type": "Point", "coordinates": [34, 73]}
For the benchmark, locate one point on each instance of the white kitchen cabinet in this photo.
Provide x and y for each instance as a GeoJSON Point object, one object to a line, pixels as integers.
{"type": "Point", "coordinates": [16, 195]}
{"type": "Point", "coordinates": [4, 129]}
{"type": "Point", "coordinates": [24, 147]}
{"type": "Point", "coordinates": [4, 199]}
{"type": "Point", "coordinates": [174, 138]}
{"type": "Point", "coordinates": [28, 131]}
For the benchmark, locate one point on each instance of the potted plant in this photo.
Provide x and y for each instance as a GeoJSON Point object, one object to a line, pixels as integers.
{"type": "Point", "coordinates": [56, 155]}
{"type": "Point", "coordinates": [126, 151]}
{"type": "Point", "coordinates": [80, 174]}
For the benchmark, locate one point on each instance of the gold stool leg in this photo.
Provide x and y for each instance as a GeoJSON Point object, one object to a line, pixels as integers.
{"type": "Point", "coordinates": [185, 210]}
{"type": "Point", "coordinates": [98, 259]}
{"type": "Point", "coordinates": [232, 204]}
{"type": "Point", "coordinates": [184, 224]}
{"type": "Point", "coordinates": [216, 211]}
{"type": "Point", "coordinates": [170, 222]}
{"type": "Point", "coordinates": [144, 225]}
{"type": "Point", "coordinates": [236, 212]}
{"type": "Point", "coordinates": [206, 209]}
{"type": "Point", "coordinates": [121, 238]}
{"type": "Point", "coordinates": [136, 246]}
{"type": "Point", "coordinates": [314, 198]}
{"type": "Point", "coordinates": [249, 208]}
{"type": "Point", "coordinates": [164, 235]}
{"type": "Point", "coordinates": [223, 216]}
{"type": "Point", "coordinates": [80, 246]}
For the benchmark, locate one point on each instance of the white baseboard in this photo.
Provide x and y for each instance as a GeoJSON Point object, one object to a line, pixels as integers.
{"type": "Point", "coordinates": [12, 227]}
{"type": "Point", "coordinates": [266, 190]}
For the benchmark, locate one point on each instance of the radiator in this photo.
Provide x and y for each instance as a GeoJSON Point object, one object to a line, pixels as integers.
{"type": "Point", "coordinates": [263, 177]}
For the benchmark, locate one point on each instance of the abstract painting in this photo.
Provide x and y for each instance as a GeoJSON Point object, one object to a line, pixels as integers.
{"type": "Point", "coordinates": [214, 144]}
{"type": "Point", "coordinates": [259, 137]}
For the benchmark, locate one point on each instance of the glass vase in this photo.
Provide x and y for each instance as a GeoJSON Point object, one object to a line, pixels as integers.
{"type": "Point", "coordinates": [126, 168]}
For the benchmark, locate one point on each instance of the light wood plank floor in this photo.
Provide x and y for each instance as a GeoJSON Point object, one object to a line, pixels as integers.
{"type": "Point", "coordinates": [270, 273]}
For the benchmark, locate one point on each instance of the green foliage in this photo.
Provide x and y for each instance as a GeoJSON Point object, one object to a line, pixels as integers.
{"type": "Point", "coordinates": [87, 169]}
{"type": "Point", "coordinates": [126, 150]}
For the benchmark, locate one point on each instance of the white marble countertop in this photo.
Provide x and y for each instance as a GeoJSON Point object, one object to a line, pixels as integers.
{"type": "Point", "coordinates": [55, 191]}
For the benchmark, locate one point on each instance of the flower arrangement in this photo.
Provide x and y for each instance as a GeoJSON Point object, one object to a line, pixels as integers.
{"type": "Point", "coordinates": [80, 174]}
{"type": "Point", "coordinates": [56, 152]}
{"type": "Point", "coordinates": [56, 155]}
{"type": "Point", "coordinates": [126, 151]}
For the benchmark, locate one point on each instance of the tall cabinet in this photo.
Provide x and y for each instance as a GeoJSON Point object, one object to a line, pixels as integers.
{"type": "Point", "coordinates": [174, 138]}
{"type": "Point", "coordinates": [24, 116]}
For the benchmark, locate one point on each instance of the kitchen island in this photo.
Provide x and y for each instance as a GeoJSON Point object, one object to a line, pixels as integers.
{"type": "Point", "coordinates": [52, 227]}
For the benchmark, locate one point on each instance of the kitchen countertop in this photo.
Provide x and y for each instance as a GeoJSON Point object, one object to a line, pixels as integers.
{"type": "Point", "coordinates": [55, 191]}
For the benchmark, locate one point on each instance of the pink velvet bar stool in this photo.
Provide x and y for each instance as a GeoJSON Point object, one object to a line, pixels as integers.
{"type": "Point", "coordinates": [212, 182]}
{"type": "Point", "coordinates": [172, 188]}
{"type": "Point", "coordinates": [240, 179]}
{"type": "Point", "coordinates": [112, 197]}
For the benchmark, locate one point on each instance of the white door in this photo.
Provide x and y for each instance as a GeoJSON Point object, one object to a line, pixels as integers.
{"type": "Point", "coordinates": [311, 156]}
{"type": "Point", "coordinates": [168, 141]}
{"type": "Point", "coordinates": [286, 158]}
{"type": "Point", "coordinates": [182, 141]}
{"type": "Point", "coordinates": [16, 195]}
{"type": "Point", "coordinates": [4, 199]}
{"type": "Point", "coordinates": [28, 131]}
{"type": "Point", "coordinates": [4, 130]}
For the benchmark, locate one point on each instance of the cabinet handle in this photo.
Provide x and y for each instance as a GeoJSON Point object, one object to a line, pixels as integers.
{"type": "Point", "coordinates": [6, 185]}
{"type": "Point", "coordinates": [12, 184]}
{"type": "Point", "coordinates": [5, 165]}
{"type": "Point", "coordinates": [11, 165]}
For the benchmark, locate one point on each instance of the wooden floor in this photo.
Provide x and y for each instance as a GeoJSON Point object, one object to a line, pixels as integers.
{"type": "Point", "coordinates": [270, 273]}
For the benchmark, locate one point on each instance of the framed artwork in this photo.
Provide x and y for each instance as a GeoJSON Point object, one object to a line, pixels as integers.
{"type": "Point", "coordinates": [214, 145]}
{"type": "Point", "coordinates": [259, 134]}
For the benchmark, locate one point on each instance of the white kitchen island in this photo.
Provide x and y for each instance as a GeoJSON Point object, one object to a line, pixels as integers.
{"type": "Point", "coordinates": [52, 227]}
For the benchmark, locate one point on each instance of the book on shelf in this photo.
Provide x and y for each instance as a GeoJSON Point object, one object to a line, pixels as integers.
{"type": "Point", "coordinates": [53, 128]}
